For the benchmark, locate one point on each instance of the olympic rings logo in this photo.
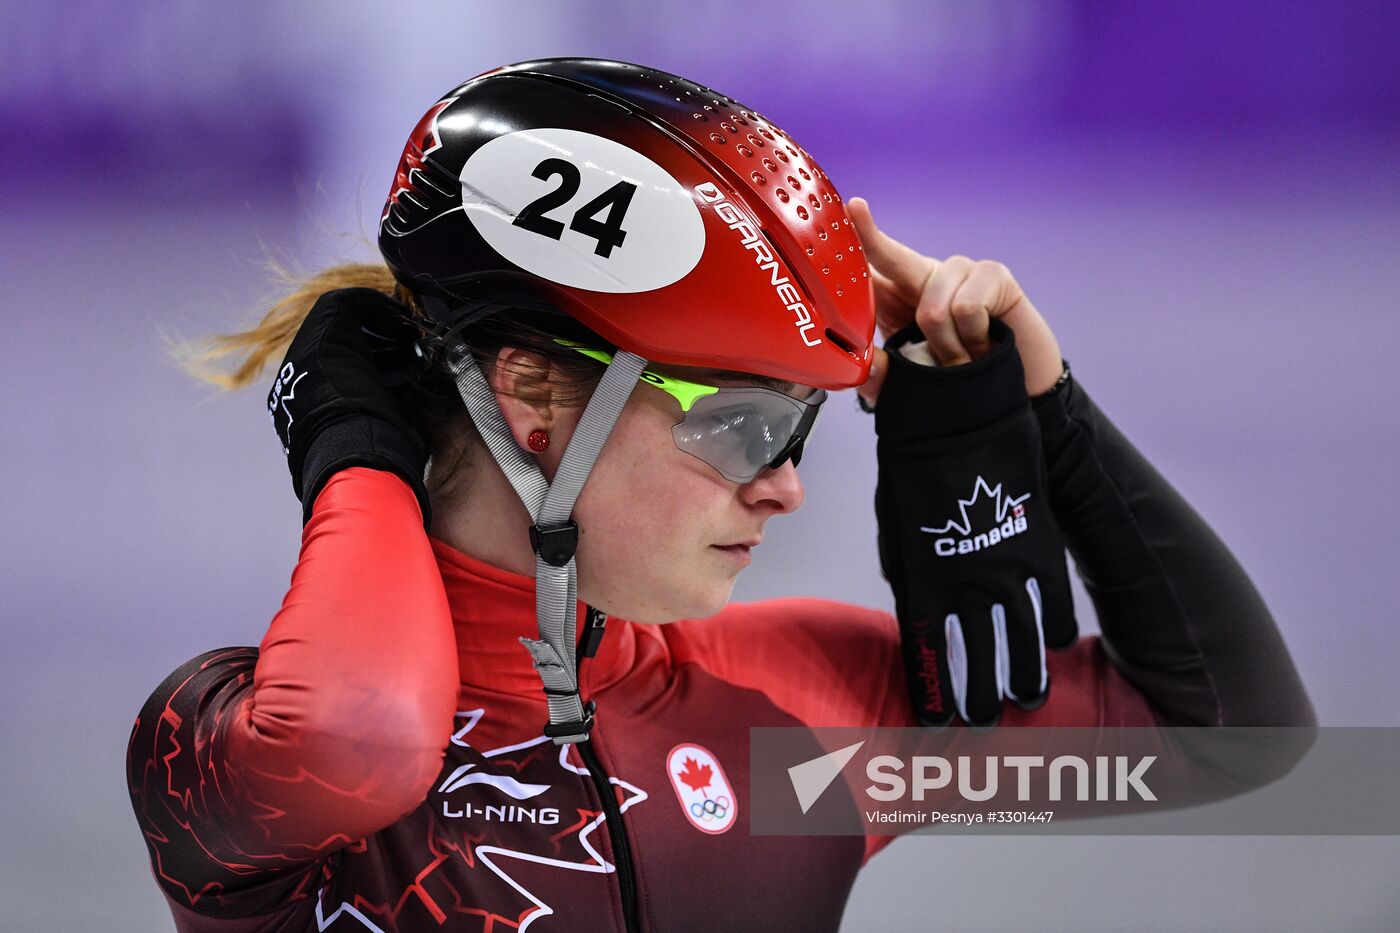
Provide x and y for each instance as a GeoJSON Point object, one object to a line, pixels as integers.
{"type": "Point", "coordinates": [710, 810]}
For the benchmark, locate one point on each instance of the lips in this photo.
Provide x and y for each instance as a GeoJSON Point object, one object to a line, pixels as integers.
{"type": "Point", "coordinates": [737, 552]}
{"type": "Point", "coordinates": [740, 550]}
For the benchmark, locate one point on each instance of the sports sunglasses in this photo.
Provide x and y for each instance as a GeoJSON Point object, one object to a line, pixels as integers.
{"type": "Point", "coordinates": [738, 430]}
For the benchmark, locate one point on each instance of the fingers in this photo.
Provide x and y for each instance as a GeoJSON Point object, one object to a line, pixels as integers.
{"type": "Point", "coordinates": [1053, 594]}
{"type": "Point", "coordinates": [925, 648]}
{"type": "Point", "coordinates": [956, 308]}
{"type": "Point", "coordinates": [982, 293]}
{"type": "Point", "coordinates": [1021, 643]}
{"type": "Point", "coordinates": [879, 369]}
{"type": "Point", "coordinates": [997, 651]}
{"type": "Point", "coordinates": [906, 269]}
{"type": "Point", "coordinates": [973, 654]}
{"type": "Point", "coordinates": [934, 314]}
{"type": "Point", "coordinates": [892, 311]}
{"type": "Point", "coordinates": [953, 300]}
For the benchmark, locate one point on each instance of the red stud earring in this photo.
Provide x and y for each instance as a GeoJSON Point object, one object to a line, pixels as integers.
{"type": "Point", "coordinates": [538, 441]}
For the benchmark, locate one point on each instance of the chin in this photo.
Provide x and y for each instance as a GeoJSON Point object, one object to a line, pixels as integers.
{"type": "Point", "coordinates": [710, 603]}
{"type": "Point", "coordinates": [691, 604]}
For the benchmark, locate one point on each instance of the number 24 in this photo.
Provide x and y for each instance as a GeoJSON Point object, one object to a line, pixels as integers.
{"type": "Point", "coordinates": [607, 232]}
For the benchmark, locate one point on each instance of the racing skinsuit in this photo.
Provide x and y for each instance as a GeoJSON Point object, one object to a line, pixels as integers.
{"type": "Point", "coordinates": [378, 762]}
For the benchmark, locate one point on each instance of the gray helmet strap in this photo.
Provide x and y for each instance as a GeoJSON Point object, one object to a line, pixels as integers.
{"type": "Point", "coordinates": [554, 534]}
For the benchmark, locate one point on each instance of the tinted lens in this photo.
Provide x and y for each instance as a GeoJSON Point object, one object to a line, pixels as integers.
{"type": "Point", "coordinates": [739, 431]}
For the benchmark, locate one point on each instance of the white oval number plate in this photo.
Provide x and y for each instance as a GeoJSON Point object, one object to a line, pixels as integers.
{"type": "Point", "coordinates": [582, 210]}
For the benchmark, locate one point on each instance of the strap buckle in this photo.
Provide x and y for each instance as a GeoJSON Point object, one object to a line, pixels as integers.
{"type": "Point", "coordinates": [556, 544]}
{"type": "Point", "coordinates": [557, 730]}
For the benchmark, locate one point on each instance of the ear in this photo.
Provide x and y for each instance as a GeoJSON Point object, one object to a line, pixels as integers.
{"type": "Point", "coordinates": [524, 387]}
{"type": "Point", "coordinates": [521, 382]}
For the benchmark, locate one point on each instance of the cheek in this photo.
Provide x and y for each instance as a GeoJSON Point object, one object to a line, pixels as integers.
{"type": "Point", "coordinates": [649, 512]}
{"type": "Point", "coordinates": [643, 503]}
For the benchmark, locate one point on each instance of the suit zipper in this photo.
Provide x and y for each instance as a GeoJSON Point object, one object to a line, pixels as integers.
{"type": "Point", "coordinates": [592, 637]}
{"type": "Point", "coordinates": [617, 833]}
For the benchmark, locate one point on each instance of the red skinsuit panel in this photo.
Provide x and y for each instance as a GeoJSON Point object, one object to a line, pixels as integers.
{"type": "Point", "coordinates": [339, 777]}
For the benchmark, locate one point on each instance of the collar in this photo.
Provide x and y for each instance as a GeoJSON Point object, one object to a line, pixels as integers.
{"type": "Point", "coordinates": [492, 609]}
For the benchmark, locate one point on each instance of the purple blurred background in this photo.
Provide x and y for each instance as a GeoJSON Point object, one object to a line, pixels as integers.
{"type": "Point", "coordinates": [1202, 198]}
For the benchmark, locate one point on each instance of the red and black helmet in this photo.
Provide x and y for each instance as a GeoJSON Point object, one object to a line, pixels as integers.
{"type": "Point", "coordinates": [666, 217]}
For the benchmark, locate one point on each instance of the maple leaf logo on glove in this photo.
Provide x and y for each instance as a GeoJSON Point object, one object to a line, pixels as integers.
{"type": "Point", "coordinates": [1009, 520]}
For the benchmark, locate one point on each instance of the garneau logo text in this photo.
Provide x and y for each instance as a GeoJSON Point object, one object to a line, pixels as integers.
{"type": "Point", "coordinates": [763, 255]}
{"type": "Point", "coordinates": [1010, 518]}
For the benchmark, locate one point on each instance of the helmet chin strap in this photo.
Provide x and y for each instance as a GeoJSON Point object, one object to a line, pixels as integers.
{"type": "Point", "coordinates": [554, 534]}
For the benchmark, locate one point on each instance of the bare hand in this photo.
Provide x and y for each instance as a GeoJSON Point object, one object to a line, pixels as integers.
{"type": "Point", "coordinates": [953, 300]}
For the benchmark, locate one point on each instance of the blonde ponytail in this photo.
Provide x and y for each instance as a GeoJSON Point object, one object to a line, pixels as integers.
{"type": "Point", "coordinates": [447, 427]}
{"type": "Point", "coordinates": [254, 348]}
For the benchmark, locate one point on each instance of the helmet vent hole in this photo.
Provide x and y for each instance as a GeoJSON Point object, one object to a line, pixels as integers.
{"type": "Point", "coordinates": [797, 279]}
{"type": "Point", "coordinates": [840, 341]}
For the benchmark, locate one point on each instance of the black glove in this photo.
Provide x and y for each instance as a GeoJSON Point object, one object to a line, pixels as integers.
{"type": "Point", "coordinates": [967, 539]}
{"type": "Point", "coordinates": [343, 394]}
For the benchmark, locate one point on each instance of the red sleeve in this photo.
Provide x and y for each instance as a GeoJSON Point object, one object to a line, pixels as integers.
{"type": "Point", "coordinates": [824, 663]}
{"type": "Point", "coordinates": [831, 664]}
{"type": "Point", "coordinates": [246, 768]}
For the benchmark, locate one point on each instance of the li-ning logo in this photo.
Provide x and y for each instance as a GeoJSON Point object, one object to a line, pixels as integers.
{"type": "Point", "coordinates": [1010, 520]}
{"type": "Point", "coordinates": [764, 257]}
{"type": "Point", "coordinates": [276, 401]}
{"type": "Point", "coordinates": [507, 813]}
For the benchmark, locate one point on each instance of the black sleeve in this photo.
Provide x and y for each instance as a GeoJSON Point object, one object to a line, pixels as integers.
{"type": "Point", "coordinates": [192, 806]}
{"type": "Point", "coordinates": [1180, 618]}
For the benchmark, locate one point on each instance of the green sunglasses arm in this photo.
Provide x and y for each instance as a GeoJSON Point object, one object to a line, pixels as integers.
{"type": "Point", "coordinates": [681, 390]}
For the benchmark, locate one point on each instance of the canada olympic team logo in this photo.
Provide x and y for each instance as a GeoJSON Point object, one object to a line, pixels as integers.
{"type": "Point", "coordinates": [707, 798]}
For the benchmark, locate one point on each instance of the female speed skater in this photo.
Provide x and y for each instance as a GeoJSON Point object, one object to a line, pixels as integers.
{"type": "Point", "coordinates": [535, 448]}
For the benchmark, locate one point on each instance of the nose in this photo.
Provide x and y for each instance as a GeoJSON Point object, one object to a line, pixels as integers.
{"type": "Point", "coordinates": [780, 489]}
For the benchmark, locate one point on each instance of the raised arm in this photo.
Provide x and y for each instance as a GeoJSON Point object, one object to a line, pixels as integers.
{"type": "Point", "coordinates": [1180, 618]}
{"type": "Point", "coordinates": [1181, 621]}
{"type": "Point", "coordinates": [247, 766]}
